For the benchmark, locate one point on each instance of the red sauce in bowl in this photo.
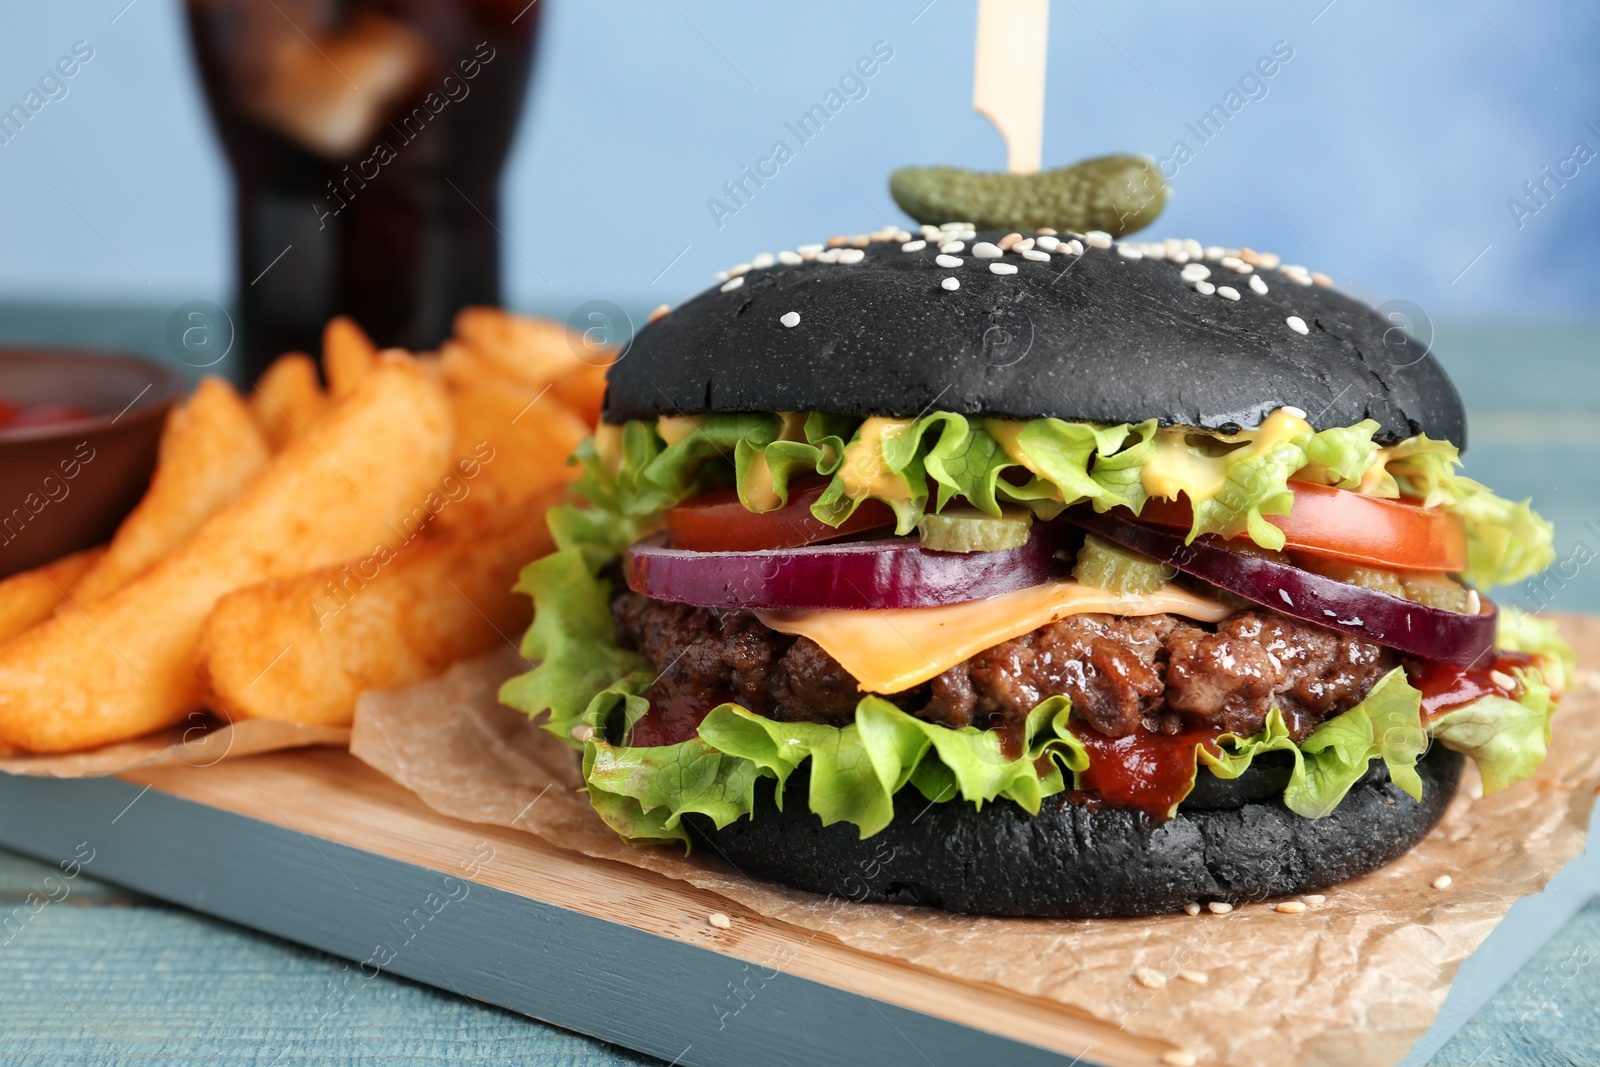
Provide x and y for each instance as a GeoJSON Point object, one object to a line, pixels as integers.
{"type": "Point", "coordinates": [19, 417]}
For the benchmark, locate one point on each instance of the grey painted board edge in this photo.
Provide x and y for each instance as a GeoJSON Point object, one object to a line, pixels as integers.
{"type": "Point", "coordinates": [1531, 922]}
{"type": "Point", "coordinates": [682, 1003]}
{"type": "Point", "coordinates": [345, 901]}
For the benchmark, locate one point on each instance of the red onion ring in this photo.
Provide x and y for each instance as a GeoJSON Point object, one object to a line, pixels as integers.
{"type": "Point", "coordinates": [1431, 633]}
{"type": "Point", "coordinates": [894, 572]}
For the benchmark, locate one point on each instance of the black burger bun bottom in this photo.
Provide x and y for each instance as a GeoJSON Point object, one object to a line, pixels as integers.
{"type": "Point", "coordinates": [1085, 861]}
{"type": "Point", "coordinates": [1097, 337]}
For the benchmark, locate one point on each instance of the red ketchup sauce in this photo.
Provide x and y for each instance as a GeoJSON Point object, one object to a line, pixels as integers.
{"type": "Point", "coordinates": [1445, 686]}
{"type": "Point", "coordinates": [1144, 770]}
{"type": "Point", "coordinates": [19, 417]}
{"type": "Point", "coordinates": [674, 714]}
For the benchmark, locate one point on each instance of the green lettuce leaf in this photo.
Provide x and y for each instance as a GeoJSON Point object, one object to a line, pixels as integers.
{"type": "Point", "coordinates": [1386, 725]}
{"type": "Point", "coordinates": [674, 472]}
{"type": "Point", "coordinates": [1256, 485]}
{"type": "Point", "coordinates": [1507, 739]}
{"type": "Point", "coordinates": [1062, 452]}
{"type": "Point", "coordinates": [643, 793]}
{"type": "Point", "coordinates": [966, 461]}
{"type": "Point", "coordinates": [886, 453]}
{"type": "Point", "coordinates": [855, 770]}
{"type": "Point", "coordinates": [1045, 465]}
{"type": "Point", "coordinates": [757, 463]}
{"type": "Point", "coordinates": [1506, 542]}
{"type": "Point", "coordinates": [1343, 455]}
{"type": "Point", "coordinates": [1521, 631]}
{"type": "Point", "coordinates": [572, 642]}
{"type": "Point", "coordinates": [1121, 474]}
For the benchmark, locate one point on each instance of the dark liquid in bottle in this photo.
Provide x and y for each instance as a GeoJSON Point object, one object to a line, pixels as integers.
{"type": "Point", "coordinates": [366, 139]}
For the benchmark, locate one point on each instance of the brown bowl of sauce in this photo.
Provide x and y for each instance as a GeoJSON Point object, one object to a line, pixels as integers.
{"type": "Point", "coordinates": [79, 432]}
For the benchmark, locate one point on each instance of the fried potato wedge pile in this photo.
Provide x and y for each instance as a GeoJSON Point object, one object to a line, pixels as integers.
{"type": "Point", "coordinates": [301, 545]}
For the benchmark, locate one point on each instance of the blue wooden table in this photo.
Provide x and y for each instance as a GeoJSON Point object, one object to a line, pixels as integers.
{"type": "Point", "coordinates": [104, 976]}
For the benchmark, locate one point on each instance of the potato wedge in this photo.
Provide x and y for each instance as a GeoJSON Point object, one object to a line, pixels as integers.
{"type": "Point", "coordinates": [583, 390]}
{"type": "Point", "coordinates": [520, 437]}
{"type": "Point", "coordinates": [303, 649]}
{"type": "Point", "coordinates": [125, 665]}
{"type": "Point", "coordinates": [347, 355]}
{"type": "Point", "coordinates": [464, 368]}
{"type": "Point", "coordinates": [288, 398]}
{"type": "Point", "coordinates": [210, 450]}
{"type": "Point", "coordinates": [532, 351]}
{"type": "Point", "coordinates": [29, 598]}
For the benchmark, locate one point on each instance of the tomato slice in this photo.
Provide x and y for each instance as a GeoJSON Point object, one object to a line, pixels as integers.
{"type": "Point", "coordinates": [1343, 524]}
{"type": "Point", "coordinates": [717, 522]}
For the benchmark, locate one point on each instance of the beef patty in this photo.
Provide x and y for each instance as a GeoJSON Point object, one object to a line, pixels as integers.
{"type": "Point", "coordinates": [1122, 673]}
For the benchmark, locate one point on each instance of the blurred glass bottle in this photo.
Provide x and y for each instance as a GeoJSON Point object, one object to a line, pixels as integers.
{"type": "Point", "coordinates": [366, 139]}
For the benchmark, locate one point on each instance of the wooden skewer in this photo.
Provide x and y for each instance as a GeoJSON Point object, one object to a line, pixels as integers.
{"type": "Point", "coordinates": [1008, 76]}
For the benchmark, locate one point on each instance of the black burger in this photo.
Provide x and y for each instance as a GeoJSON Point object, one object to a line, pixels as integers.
{"type": "Point", "coordinates": [1035, 574]}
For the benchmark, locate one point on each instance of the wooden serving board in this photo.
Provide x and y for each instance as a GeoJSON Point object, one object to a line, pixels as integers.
{"type": "Point", "coordinates": [316, 847]}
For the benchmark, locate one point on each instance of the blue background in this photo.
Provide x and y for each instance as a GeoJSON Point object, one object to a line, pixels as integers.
{"type": "Point", "coordinates": [1384, 152]}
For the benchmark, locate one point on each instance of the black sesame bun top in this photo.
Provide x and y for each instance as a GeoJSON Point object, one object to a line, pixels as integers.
{"type": "Point", "coordinates": [1119, 333]}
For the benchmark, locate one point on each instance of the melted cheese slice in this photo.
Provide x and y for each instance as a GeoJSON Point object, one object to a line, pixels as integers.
{"type": "Point", "coordinates": [889, 650]}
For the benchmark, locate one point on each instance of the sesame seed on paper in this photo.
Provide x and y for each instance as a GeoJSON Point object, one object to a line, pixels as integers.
{"type": "Point", "coordinates": [1150, 978]}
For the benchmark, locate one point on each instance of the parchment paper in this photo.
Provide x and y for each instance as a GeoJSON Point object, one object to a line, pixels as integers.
{"type": "Point", "coordinates": [1353, 981]}
{"type": "Point", "coordinates": [201, 743]}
